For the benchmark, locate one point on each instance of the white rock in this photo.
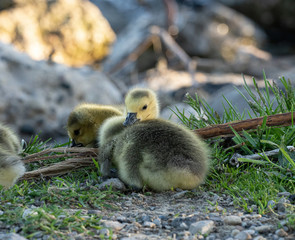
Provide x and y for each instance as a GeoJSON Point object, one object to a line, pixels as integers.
{"type": "Point", "coordinates": [138, 236]}
{"type": "Point", "coordinates": [149, 224]}
{"type": "Point", "coordinates": [243, 236]}
{"type": "Point", "coordinates": [179, 194]}
{"type": "Point", "coordinates": [250, 231]}
{"type": "Point", "coordinates": [232, 220]}
{"type": "Point", "coordinates": [116, 226]}
{"type": "Point", "coordinates": [116, 184]}
{"type": "Point", "coordinates": [201, 227]}
{"type": "Point", "coordinates": [157, 222]}
{"type": "Point", "coordinates": [105, 232]}
{"type": "Point", "coordinates": [263, 228]}
{"type": "Point", "coordinates": [11, 236]}
{"type": "Point", "coordinates": [29, 212]}
{"type": "Point", "coordinates": [259, 238]}
{"type": "Point", "coordinates": [235, 232]}
{"type": "Point", "coordinates": [183, 225]}
{"type": "Point", "coordinates": [281, 233]}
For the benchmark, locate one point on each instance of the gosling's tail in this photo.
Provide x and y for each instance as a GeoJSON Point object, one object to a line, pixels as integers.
{"type": "Point", "coordinates": [11, 169]}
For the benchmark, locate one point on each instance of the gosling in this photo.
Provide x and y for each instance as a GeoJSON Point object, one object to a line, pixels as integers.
{"type": "Point", "coordinates": [151, 152]}
{"type": "Point", "coordinates": [84, 122]}
{"type": "Point", "coordinates": [11, 166]}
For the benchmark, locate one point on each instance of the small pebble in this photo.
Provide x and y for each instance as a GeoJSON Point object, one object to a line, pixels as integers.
{"type": "Point", "coordinates": [201, 227]}
{"type": "Point", "coordinates": [105, 232]}
{"type": "Point", "coordinates": [29, 212]}
{"type": "Point", "coordinates": [271, 203]}
{"type": "Point", "coordinates": [115, 225]}
{"type": "Point", "coordinates": [243, 236]}
{"type": "Point", "coordinates": [235, 232]}
{"type": "Point", "coordinates": [259, 238]}
{"type": "Point", "coordinates": [115, 183]}
{"type": "Point", "coordinates": [145, 218]}
{"type": "Point", "coordinates": [250, 231]}
{"type": "Point", "coordinates": [179, 194]}
{"type": "Point", "coordinates": [284, 194]}
{"type": "Point", "coordinates": [183, 226]}
{"type": "Point", "coordinates": [263, 228]}
{"type": "Point", "coordinates": [281, 233]}
{"type": "Point", "coordinates": [94, 212]}
{"type": "Point", "coordinates": [149, 224]}
{"type": "Point", "coordinates": [157, 222]}
{"type": "Point", "coordinates": [232, 220]}
{"type": "Point", "coordinates": [11, 236]}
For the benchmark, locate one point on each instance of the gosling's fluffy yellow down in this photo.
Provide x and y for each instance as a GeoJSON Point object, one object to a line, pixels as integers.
{"type": "Point", "coordinates": [150, 151]}
{"type": "Point", "coordinates": [85, 120]}
{"type": "Point", "coordinates": [11, 166]}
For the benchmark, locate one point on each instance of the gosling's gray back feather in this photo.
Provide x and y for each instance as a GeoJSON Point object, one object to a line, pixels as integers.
{"type": "Point", "coordinates": [169, 143]}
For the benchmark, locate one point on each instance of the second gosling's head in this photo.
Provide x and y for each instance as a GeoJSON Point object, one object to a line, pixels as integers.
{"type": "Point", "coordinates": [81, 130]}
{"type": "Point", "coordinates": [141, 105]}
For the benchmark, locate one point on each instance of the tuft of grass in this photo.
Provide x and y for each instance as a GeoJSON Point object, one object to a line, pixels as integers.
{"type": "Point", "coordinates": [250, 182]}
{"type": "Point", "coordinates": [58, 206]}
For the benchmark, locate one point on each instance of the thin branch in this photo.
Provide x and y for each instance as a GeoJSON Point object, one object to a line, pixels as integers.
{"type": "Point", "coordinates": [66, 152]}
{"type": "Point", "coordinates": [234, 159]}
{"type": "Point", "coordinates": [59, 168]}
{"type": "Point", "coordinates": [279, 120]}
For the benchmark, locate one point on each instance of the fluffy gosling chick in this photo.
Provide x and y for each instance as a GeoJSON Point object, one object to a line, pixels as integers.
{"type": "Point", "coordinates": [11, 166]}
{"type": "Point", "coordinates": [85, 120]}
{"type": "Point", "coordinates": [151, 151]}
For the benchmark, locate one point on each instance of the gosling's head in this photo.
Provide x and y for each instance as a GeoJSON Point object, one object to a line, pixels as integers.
{"type": "Point", "coordinates": [81, 129]}
{"type": "Point", "coordinates": [141, 105]}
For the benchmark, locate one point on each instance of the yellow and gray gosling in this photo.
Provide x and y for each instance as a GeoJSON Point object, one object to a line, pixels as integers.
{"type": "Point", "coordinates": [151, 152]}
{"type": "Point", "coordinates": [85, 120]}
{"type": "Point", "coordinates": [11, 166]}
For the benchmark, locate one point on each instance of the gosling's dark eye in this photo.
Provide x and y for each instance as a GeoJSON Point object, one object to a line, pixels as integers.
{"type": "Point", "coordinates": [144, 107]}
{"type": "Point", "coordinates": [77, 132]}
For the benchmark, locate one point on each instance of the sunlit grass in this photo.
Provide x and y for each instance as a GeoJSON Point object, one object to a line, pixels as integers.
{"type": "Point", "coordinates": [250, 182]}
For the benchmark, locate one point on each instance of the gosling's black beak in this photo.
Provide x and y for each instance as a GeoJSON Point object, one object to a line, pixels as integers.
{"type": "Point", "coordinates": [130, 119]}
{"type": "Point", "coordinates": [74, 144]}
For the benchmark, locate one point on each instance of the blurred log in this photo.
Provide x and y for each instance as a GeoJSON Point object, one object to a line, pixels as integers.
{"type": "Point", "coordinates": [170, 43]}
{"type": "Point", "coordinates": [279, 120]}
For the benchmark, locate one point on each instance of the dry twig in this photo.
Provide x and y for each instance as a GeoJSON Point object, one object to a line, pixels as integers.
{"type": "Point", "coordinates": [78, 157]}
{"type": "Point", "coordinates": [283, 119]}
{"type": "Point", "coordinates": [59, 168]}
{"type": "Point", "coordinates": [234, 159]}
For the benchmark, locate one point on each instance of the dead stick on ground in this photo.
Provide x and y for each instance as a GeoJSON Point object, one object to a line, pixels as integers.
{"type": "Point", "coordinates": [66, 152]}
{"type": "Point", "coordinates": [279, 120]}
{"type": "Point", "coordinates": [234, 159]}
{"type": "Point", "coordinates": [59, 168]}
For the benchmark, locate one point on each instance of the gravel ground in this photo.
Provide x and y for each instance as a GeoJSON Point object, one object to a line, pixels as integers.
{"type": "Point", "coordinates": [184, 215]}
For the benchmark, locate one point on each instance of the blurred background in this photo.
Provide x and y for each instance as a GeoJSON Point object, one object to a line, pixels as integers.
{"type": "Point", "coordinates": [56, 54]}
